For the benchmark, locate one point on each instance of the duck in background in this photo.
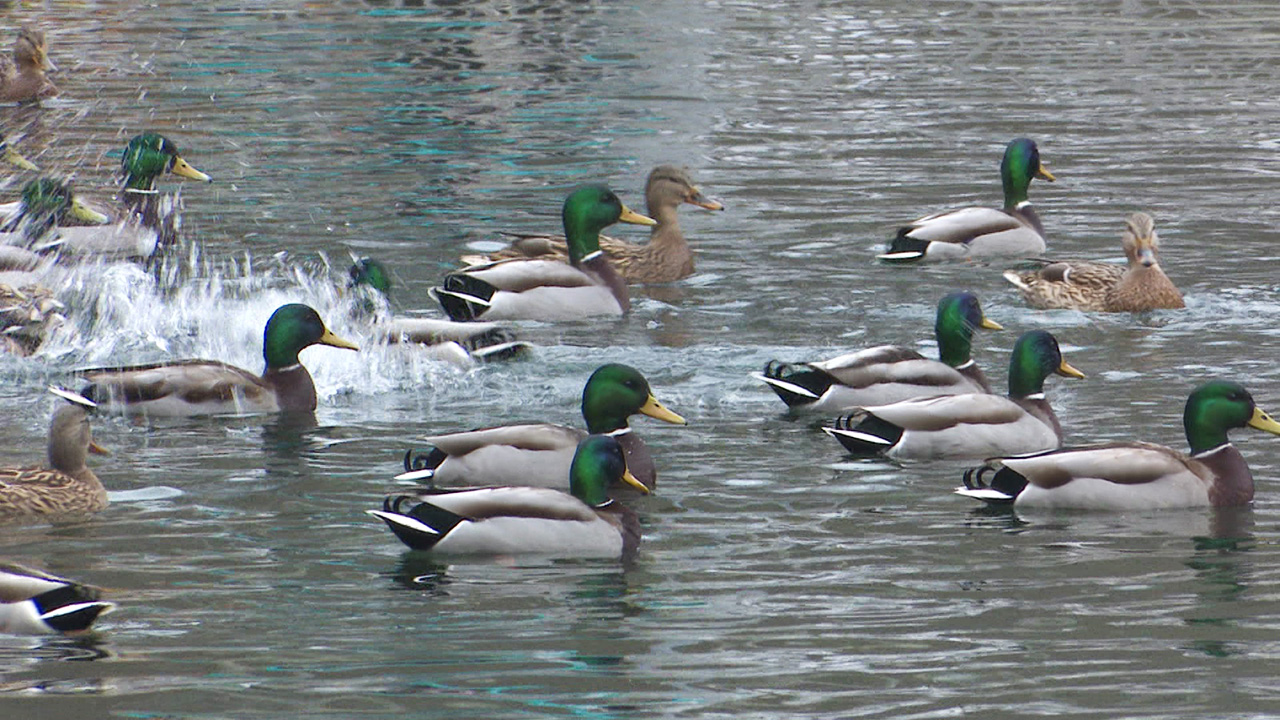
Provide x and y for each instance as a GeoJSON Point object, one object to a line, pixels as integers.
{"type": "Point", "coordinates": [67, 487]}
{"type": "Point", "coordinates": [1136, 475]}
{"type": "Point", "coordinates": [22, 77]}
{"type": "Point", "coordinates": [666, 258]}
{"type": "Point", "coordinates": [973, 425]}
{"type": "Point", "coordinates": [34, 602]}
{"type": "Point", "coordinates": [1103, 287]}
{"type": "Point", "coordinates": [975, 232]}
{"type": "Point", "coordinates": [533, 289]}
{"type": "Point", "coordinates": [187, 388]}
{"type": "Point", "coordinates": [889, 373]}
{"type": "Point", "coordinates": [585, 522]}
{"type": "Point", "coordinates": [458, 342]}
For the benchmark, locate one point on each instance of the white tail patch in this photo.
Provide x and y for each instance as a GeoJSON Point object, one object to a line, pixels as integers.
{"type": "Point", "coordinates": [414, 475]}
{"type": "Point", "coordinates": [856, 435]}
{"type": "Point", "coordinates": [404, 521]}
{"type": "Point", "coordinates": [789, 387]}
{"type": "Point", "coordinates": [907, 255]}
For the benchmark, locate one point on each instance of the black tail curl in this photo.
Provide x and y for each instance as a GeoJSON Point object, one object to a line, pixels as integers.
{"type": "Point", "coordinates": [997, 477]}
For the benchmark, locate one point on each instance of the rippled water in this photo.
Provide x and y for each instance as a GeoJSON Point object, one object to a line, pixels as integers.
{"type": "Point", "coordinates": [777, 578]}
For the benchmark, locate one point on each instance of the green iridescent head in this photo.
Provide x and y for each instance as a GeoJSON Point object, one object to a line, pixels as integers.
{"type": "Point", "coordinates": [47, 202]}
{"type": "Point", "coordinates": [150, 155]}
{"type": "Point", "coordinates": [614, 393]}
{"type": "Point", "coordinates": [588, 210]}
{"type": "Point", "coordinates": [1035, 357]}
{"type": "Point", "coordinates": [370, 272]}
{"type": "Point", "coordinates": [959, 314]}
{"type": "Point", "coordinates": [1021, 163]}
{"type": "Point", "coordinates": [292, 328]}
{"type": "Point", "coordinates": [1218, 406]}
{"type": "Point", "coordinates": [597, 464]}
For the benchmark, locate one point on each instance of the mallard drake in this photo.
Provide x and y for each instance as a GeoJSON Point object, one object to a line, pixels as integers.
{"type": "Point", "coordinates": [979, 232]}
{"type": "Point", "coordinates": [1103, 287]}
{"type": "Point", "coordinates": [548, 289]}
{"type": "Point", "coordinates": [33, 602]}
{"type": "Point", "coordinates": [889, 373]}
{"type": "Point", "coordinates": [667, 256]}
{"type": "Point", "coordinates": [27, 315]}
{"type": "Point", "coordinates": [973, 425]}
{"type": "Point", "coordinates": [208, 387]}
{"type": "Point", "coordinates": [584, 522]}
{"type": "Point", "coordinates": [149, 221]}
{"type": "Point", "coordinates": [22, 78]}
{"type": "Point", "coordinates": [540, 454]}
{"type": "Point", "coordinates": [45, 206]}
{"type": "Point", "coordinates": [1136, 475]}
{"type": "Point", "coordinates": [67, 486]}
{"type": "Point", "coordinates": [460, 341]}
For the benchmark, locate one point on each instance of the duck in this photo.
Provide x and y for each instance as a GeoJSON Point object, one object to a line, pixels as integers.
{"type": "Point", "coordinates": [585, 522]}
{"type": "Point", "coordinates": [975, 232]}
{"type": "Point", "coordinates": [1136, 475]}
{"type": "Point", "coordinates": [539, 454]}
{"type": "Point", "coordinates": [28, 315]}
{"type": "Point", "coordinates": [34, 602]}
{"type": "Point", "coordinates": [461, 342]}
{"type": "Point", "coordinates": [13, 157]}
{"type": "Point", "coordinates": [534, 289]}
{"type": "Point", "coordinates": [667, 256]}
{"type": "Point", "coordinates": [889, 373]}
{"type": "Point", "coordinates": [67, 487]}
{"type": "Point", "coordinates": [1102, 287]}
{"type": "Point", "coordinates": [22, 77]}
{"type": "Point", "coordinates": [970, 425]}
{"type": "Point", "coordinates": [148, 221]}
{"type": "Point", "coordinates": [46, 205]}
{"type": "Point", "coordinates": [188, 388]}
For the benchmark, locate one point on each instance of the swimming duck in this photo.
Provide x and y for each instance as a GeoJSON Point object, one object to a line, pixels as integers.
{"type": "Point", "coordinates": [45, 206]}
{"type": "Point", "coordinates": [979, 232]}
{"type": "Point", "coordinates": [13, 157]}
{"type": "Point", "coordinates": [548, 289]}
{"type": "Point", "coordinates": [667, 256]}
{"type": "Point", "coordinates": [33, 602]}
{"type": "Point", "coordinates": [461, 342]}
{"type": "Point", "coordinates": [27, 315]}
{"type": "Point", "coordinates": [149, 221]}
{"type": "Point", "coordinates": [540, 454]}
{"type": "Point", "coordinates": [22, 78]}
{"type": "Point", "coordinates": [208, 387]}
{"type": "Point", "coordinates": [1103, 287]}
{"type": "Point", "coordinates": [973, 425]}
{"type": "Point", "coordinates": [1136, 475]}
{"type": "Point", "coordinates": [526, 520]}
{"type": "Point", "coordinates": [889, 373]}
{"type": "Point", "coordinates": [67, 486]}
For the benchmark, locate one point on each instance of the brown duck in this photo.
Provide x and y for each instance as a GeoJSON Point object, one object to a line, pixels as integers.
{"type": "Point", "coordinates": [1104, 287]}
{"type": "Point", "coordinates": [22, 77]}
{"type": "Point", "coordinates": [667, 257]}
{"type": "Point", "coordinates": [67, 486]}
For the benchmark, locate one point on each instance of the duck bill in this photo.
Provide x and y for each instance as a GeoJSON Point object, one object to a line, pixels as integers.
{"type": "Point", "coordinates": [658, 411]}
{"type": "Point", "coordinates": [1065, 370]}
{"type": "Point", "coordinates": [1147, 256]}
{"type": "Point", "coordinates": [182, 168]}
{"type": "Point", "coordinates": [631, 480]}
{"type": "Point", "coordinates": [1263, 421]}
{"type": "Point", "coordinates": [84, 213]}
{"type": "Point", "coordinates": [702, 201]}
{"type": "Point", "coordinates": [12, 157]}
{"type": "Point", "coordinates": [990, 324]}
{"type": "Point", "coordinates": [631, 216]}
{"type": "Point", "coordinates": [97, 449]}
{"type": "Point", "coordinates": [334, 341]}
{"type": "Point", "coordinates": [1044, 174]}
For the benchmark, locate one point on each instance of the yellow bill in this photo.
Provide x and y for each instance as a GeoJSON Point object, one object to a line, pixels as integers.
{"type": "Point", "coordinates": [334, 341]}
{"type": "Point", "coordinates": [1065, 370]}
{"type": "Point", "coordinates": [658, 411]}
{"type": "Point", "coordinates": [1263, 421]}
{"type": "Point", "coordinates": [631, 216]}
{"type": "Point", "coordinates": [183, 168]}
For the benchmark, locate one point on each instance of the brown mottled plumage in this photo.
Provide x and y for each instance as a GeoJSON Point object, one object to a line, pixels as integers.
{"type": "Point", "coordinates": [665, 258]}
{"type": "Point", "coordinates": [1103, 287]}
{"type": "Point", "coordinates": [27, 315]}
{"type": "Point", "coordinates": [22, 78]}
{"type": "Point", "coordinates": [67, 486]}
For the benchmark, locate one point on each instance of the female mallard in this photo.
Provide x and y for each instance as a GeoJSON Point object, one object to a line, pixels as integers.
{"type": "Point", "coordinates": [549, 289]}
{"type": "Point", "coordinates": [526, 520]}
{"type": "Point", "coordinates": [889, 373]}
{"type": "Point", "coordinates": [22, 78]}
{"type": "Point", "coordinates": [462, 342]}
{"type": "Point", "coordinates": [980, 232]}
{"type": "Point", "coordinates": [974, 425]}
{"type": "Point", "coordinates": [45, 206]}
{"type": "Point", "coordinates": [1103, 287]}
{"type": "Point", "coordinates": [27, 315]}
{"type": "Point", "coordinates": [667, 256]}
{"type": "Point", "coordinates": [1137, 475]}
{"type": "Point", "coordinates": [540, 454]}
{"type": "Point", "coordinates": [149, 221]}
{"type": "Point", "coordinates": [208, 387]}
{"type": "Point", "coordinates": [33, 602]}
{"type": "Point", "coordinates": [67, 486]}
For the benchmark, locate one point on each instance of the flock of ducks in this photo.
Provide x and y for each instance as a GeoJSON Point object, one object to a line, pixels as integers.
{"type": "Point", "coordinates": [559, 490]}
